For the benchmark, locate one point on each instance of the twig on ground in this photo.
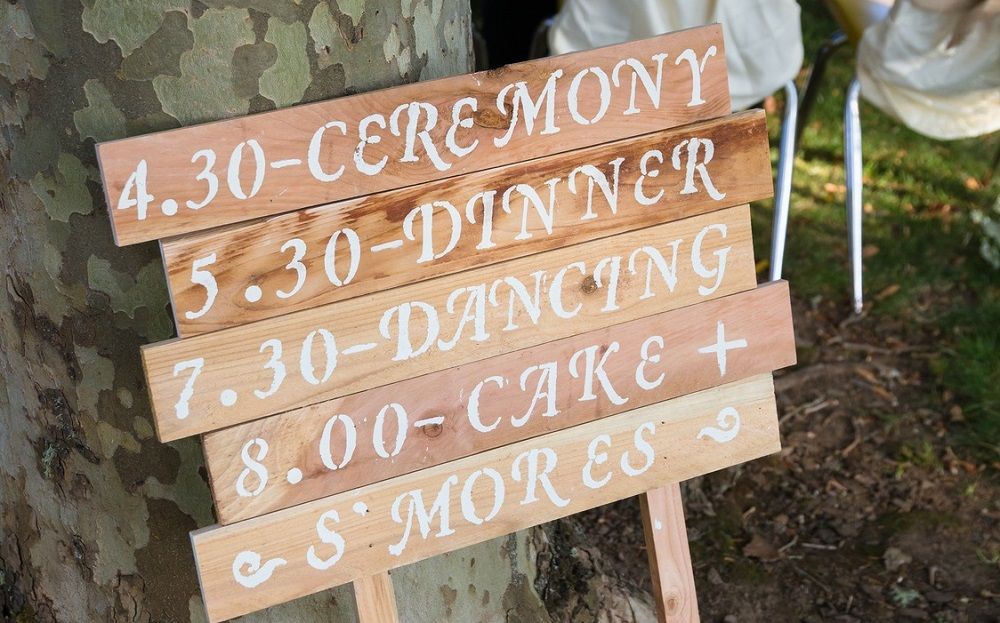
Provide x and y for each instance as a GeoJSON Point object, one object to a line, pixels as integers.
{"type": "Point", "coordinates": [851, 446]}
{"type": "Point", "coordinates": [808, 409]}
{"type": "Point", "coordinates": [822, 546]}
{"type": "Point", "coordinates": [787, 546]}
{"type": "Point", "coordinates": [852, 319]}
{"type": "Point", "coordinates": [812, 579]}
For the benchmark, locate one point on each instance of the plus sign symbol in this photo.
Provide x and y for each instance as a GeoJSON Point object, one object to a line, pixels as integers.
{"type": "Point", "coordinates": [721, 347]}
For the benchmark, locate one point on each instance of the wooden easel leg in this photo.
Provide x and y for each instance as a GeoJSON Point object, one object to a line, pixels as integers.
{"type": "Point", "coordinates": [669, 556]}
{"type": "Point", "coordinates": [375, 599]}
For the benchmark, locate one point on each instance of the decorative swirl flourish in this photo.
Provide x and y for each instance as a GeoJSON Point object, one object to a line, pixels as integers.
{"type": "Point", "coordinates": [259, 573]}
{"type": "Point", "coordinates": [729, 426]}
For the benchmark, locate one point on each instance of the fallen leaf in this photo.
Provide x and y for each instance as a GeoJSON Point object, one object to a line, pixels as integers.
{"type": "Point", "coordinates": [869, 250]}
{"type": "Point", "coordinates": [761, 549]}
{"type": "Point", "coordinates": [867, 375]}
{"type": "Point", "coordinates": [885, 394]}
{"type": "Point", "coordinates": [833, 484]}
{"type": "Point", "coordinates": [894, 558]}
{"type": "Point", "coordinates": [895, 342]}
{"type": "Point", "coordinates": [887, 292]}
{"type": "Point", "coordinates": [956, 414]}
{"type": "Point", "coordinates": [972, 183]}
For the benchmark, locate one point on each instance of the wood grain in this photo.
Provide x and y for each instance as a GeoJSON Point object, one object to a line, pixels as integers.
{"type": "Point", "coordinates": [669, 556]}
{"type": "Point", "coordinates": [234, 362]}
{"type": "Point", "coordinates": [280, 553]}
{"type": "Point", "coordinates": [505, 414]}
{"type": "Point", "coordinates": [375, 599]}
{"type": "Point", "coordinates": [249, 265]}
{"type": "Point", "coordinates": [173, 164]}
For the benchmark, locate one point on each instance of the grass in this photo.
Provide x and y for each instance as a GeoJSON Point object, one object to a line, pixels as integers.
{"type": "Point", "coordinates": [922, 247]}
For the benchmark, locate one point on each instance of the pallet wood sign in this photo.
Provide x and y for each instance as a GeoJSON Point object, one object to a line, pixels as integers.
{"type": "Point", "coordinates": [333, 540]}
{"type": "Point", "coordinates": [416, 319]}
{"type": "Point", "coordinates": [386, 431]}
{"type": "Point", "coordinates": [343, 250]}
{"type": "Point", "coordinates": [194, 178]}
{"type": "Point", "coordinates": [234, 375]}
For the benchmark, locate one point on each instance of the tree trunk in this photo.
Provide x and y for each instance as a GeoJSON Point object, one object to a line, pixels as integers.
{"type": "Point", "coordinates": [96, 512]}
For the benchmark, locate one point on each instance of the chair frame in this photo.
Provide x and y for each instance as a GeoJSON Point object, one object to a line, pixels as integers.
{"type": "Point", "coordinates": [855, 185]}
{"type": "Point", "coordinates": [783, 181]}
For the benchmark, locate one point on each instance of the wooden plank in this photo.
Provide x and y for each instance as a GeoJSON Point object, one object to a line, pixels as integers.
{"type": "Point", "coordinates": [669, 555]}
{"type": "Point", "coordinates": [514, 396]}
{"type": "Point", "coordinates": [236, 375]}
{"type": "Point", "coordinates": [311, 547]}
{"type": "Point", "coordinates": [295, 261]}
{"type": "Point", "coordinates": [208, 175]}
{"type": "Point", "coordinates": [375, 599]}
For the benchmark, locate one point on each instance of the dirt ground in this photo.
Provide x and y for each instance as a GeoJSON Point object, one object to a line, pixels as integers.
{"type": "Point", "coordinates": [867, 514]}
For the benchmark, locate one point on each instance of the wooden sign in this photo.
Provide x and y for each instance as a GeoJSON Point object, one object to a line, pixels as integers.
{"type": "Point", "coordinates": [278, 557]}
{"type": "Point", "coordinates": [199, 177]}
{"type": "Point", "coordinates": [341, 444]}
{"type": "Point", "coordinates": [300, 260]}
{"type": "Point", "coordinates": [503, 298]}
{"type": "Point", "coordinates": [239, 374]}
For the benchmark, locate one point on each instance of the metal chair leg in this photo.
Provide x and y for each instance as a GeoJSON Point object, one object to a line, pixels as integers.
{"type": "Point", "coordinates": [823, 55]}
{"type": "Point", "coordinates": [783, 184]}
{"type": "Point", "coordinates": [852, 172]}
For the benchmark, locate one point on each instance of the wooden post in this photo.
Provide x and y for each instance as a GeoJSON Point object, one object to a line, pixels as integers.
{"type": "Point", "coordinates": [669, 556]}
{"type": "Point", "coordinates": [375, 599]}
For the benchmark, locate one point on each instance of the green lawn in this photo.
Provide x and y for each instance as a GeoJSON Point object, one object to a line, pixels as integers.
{"type": "Point", "coordinates": [923, 266]}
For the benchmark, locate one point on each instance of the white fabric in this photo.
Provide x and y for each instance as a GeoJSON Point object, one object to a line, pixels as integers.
{"type": "Point", "coordinates": [936, 70]}
{"type": "Point", "coordinates": [763, 37]}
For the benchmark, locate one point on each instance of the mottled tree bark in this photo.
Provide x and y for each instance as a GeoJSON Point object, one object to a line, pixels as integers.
{"type": "Point", "coordinates": [95, 511]}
